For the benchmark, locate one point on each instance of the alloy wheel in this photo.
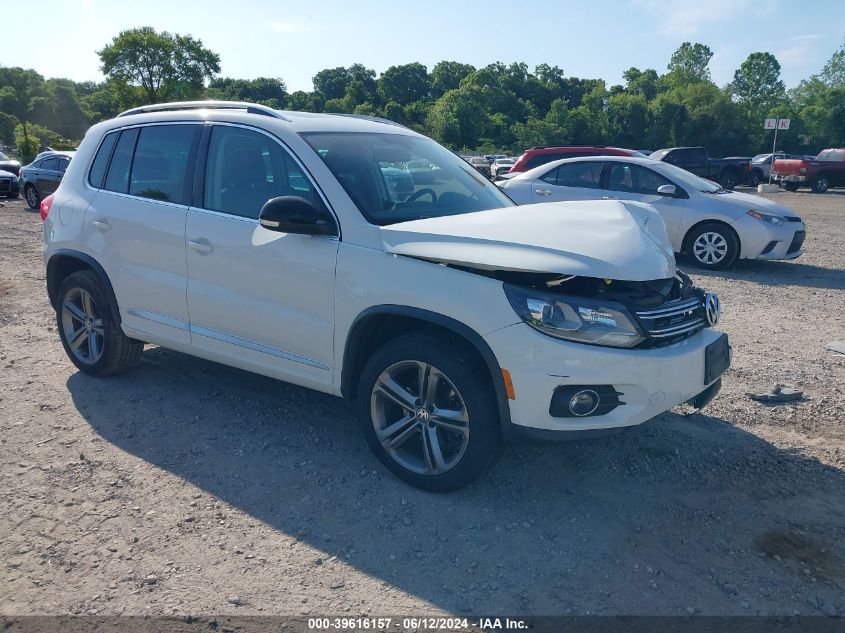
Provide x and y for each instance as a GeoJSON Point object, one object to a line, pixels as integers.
{"type": "Point", "coordinates": [82, 325]}
{"type": "Point", "coordinates": [710, 248]}
{"type": "Point", "coordinates": [419, 417]}
{"type": "Point", "coordinates": [31, 197]}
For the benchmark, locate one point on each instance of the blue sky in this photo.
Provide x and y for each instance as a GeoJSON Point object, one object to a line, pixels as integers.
{"type": "Point", "coordinates": [597, 39]}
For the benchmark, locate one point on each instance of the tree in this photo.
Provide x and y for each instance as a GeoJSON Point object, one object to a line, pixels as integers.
{"type": "Point", "coordinates": [404, 84]}
{"type": "Point", "coordinates": [447, 75]}
{"type": "Point", "coordinates": [268, 91]}
{"type": "Point", "coordinates": [459, 117]}
{"type": "Point", "coordinates": [164, 66]}
{"type": "Point", "coordinates": [757, 86]}
{"type": "Point", "coordinates": [641, 82]}
{"type": "Point", "coordinates": [331, 82]}
{"type": "Point", "coordinates": [833, 73]}
{"type": "Point", "coordinates": [690, 63]}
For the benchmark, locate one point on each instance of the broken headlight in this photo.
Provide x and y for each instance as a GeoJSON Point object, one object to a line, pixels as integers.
{"type": "Point", "coordinates": [575, 318]}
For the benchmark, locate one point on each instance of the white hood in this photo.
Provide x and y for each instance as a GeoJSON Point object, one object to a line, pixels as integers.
{"type": "Point", "coordinates": [607, 239]}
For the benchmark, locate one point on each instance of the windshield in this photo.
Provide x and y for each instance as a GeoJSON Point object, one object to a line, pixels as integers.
{"type": "Point", "coordinates": [687, 179]}
{"type": "Point", "coordinates": [396, 177]}
{"type": "Point", "coordinates": [832, 155]}
{"type": "Point", "coordinates": [3, 156]}
{"type": "Point", "coordinates": [759, 158]}
{"type": "Point", "coordinates": [659, 154]}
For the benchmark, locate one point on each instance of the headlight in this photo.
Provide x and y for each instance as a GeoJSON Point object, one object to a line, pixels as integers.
{"type": "Point", "coordinates": [574, 318]}
{"type": "Point", "coordinates": [767, 217]}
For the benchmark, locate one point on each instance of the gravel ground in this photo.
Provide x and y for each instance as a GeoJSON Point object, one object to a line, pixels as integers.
{"type": "Point", "coordinates": [186, 487]}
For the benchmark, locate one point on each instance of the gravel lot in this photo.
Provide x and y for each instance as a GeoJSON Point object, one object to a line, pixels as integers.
{"type": "Point", "coordinates": [186, 487]}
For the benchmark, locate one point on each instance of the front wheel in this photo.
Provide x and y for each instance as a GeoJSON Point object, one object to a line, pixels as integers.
{"type": "Point", "coordinates": [89, 332]}
{"type": "Point", "coordinates": [820, 184]}
{"type": "Point", "coordinates": [727, 179]}
{"type": "Point", "coordinates": [712, 246]}
{"type": "Point", "coordinates": [32, 197]}
{"type": "Point", "coordinates": [428, 412]}
{"type": "Point", "coordinates": [756, 177]}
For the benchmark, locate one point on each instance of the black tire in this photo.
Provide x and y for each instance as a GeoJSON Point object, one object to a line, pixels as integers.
{"type": "Point", "coordinates": [728, 179]}
{"type": "Point", "coordinates": [466, 382]}
{"type": "Point", "coordinates": [715, 260]}
{"type": "Point", "coordinates": [820, 184]}
{"type": "Point", "coordinates": [117, 352]}
{"type": "Point", "coordinates": [791, 186]}
{"type": "Point", "coordinates": [756, 177]}
{"type": "Point", "coordinates": [33, 199]}
{"type": "Point", "coordinates": [13, 196]}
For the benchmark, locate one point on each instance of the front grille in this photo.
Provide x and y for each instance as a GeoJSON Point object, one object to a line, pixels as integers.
{"type": "Point", "coordinates": [673, 321]}
{"type": "Point", "coordinates": [797, 241]}
{"type": "Point", "coordinates": [5, 185]}
{"type": "Point", "coordinates": [792, 218]}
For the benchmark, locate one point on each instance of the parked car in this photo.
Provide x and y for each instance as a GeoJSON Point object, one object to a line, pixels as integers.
{"type": "Point", "coordinates": [481, 164]}
{"type": "Point", "coordinates": [541, 155]}
{"type": "Point", "coordinates": [9, 184]}
{"type": "Point", "coordinates": [9, 164]}
{"type": "Point", "coordinates": [454, 319]}
{"type": "Point", "coordinates": [42, 176]}
{"type": "Point", "coordinates": [728, 172]}
{"type": "Point", "coordinates": [399, 182]}
{"type": "Point", "coordinates": [501, 166]}
{"type": "Point", "coordinates": [820, 174]}
{"type": "Point", "coordinates": [713, 226]}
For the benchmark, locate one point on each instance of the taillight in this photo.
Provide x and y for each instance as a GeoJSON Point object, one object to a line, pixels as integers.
{"type": "Point", "coordinates": [46, 205]}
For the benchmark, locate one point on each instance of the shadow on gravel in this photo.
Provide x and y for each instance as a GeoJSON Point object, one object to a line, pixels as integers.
{"type": "Point", "coordinates": [680, 512]}
{"type": "Point", "coordinates": [781, 273]}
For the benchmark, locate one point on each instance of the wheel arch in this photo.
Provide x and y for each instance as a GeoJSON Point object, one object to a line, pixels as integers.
{"type": "Point", "coordinates": [378, 324]}
{"type": "Point", "coordinates": [692, 229]}
{"type": "Point", "coordinates": [65, 262]}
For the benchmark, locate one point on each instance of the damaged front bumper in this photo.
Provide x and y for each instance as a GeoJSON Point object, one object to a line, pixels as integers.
{"type": "Point", "coordinates": [650, 381]}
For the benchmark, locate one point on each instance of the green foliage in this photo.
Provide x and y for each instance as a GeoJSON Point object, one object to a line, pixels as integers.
{"type": "Point", "coordinates": [499, 107]}
{"type": "Point", "coordinates": [165, 66]}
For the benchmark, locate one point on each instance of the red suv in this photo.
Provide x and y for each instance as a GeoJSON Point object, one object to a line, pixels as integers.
{"type": "Point", "coordinates": [537, 156]}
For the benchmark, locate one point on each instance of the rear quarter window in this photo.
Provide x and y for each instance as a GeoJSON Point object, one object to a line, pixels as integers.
{"type": "Point", "coordinates": [101, 160]}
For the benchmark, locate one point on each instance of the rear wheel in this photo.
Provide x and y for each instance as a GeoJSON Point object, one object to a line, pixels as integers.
{"type": "Point", "coordinates": [756, 177]}
{"type": "Point", "coordinates": [713, 246]}
{"type": "Point", "coordinates": [32, 197]}
{"type": "Point", "coordinates": [790, 186]}
{"type": "Point", "coordinates": [727, 179]}
{"type": "Point", "coordinates": [91, 336]}
{"type": "Point", "coordinates": [820, 184]}
{"type": "Point", "coordinates": [428, 412]}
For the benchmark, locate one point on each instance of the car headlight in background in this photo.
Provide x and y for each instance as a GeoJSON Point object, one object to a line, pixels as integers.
{"type": "Point", "coordinates": [574, 318]}
{"type": "Point", "coordinates": [767, 217]}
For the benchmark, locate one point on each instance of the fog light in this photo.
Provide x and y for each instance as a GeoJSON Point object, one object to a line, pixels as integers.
{"type": "Point", "coordinates": [584, 403]}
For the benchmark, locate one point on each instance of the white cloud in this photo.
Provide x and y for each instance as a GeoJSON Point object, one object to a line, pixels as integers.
{"type": "Point", "coordinates": [798, 50]}
{"type": "Point", "coordinates": [289, 27]}
{"type": "Point", "coordinates": [685, 17]}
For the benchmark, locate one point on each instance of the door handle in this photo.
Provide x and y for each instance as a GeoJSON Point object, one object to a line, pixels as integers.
{"type": "Point", "coordinates": [543, 192]}
{"type": "Point", "coordinates": [201, 246]}
{"type": "Point", "coordinates": [101, 225]}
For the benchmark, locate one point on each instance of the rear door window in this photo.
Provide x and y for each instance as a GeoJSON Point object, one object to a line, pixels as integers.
{"type": "Point", "coordinates": [160, 168]}
{"type": "Point", "coordinates": [586, 175]}
{"type": "Point", "coordinates": [50, 164]}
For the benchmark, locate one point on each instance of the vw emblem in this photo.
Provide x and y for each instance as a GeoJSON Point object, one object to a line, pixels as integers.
{"type": "Point", "coordinates": [712, 309]}
{"type": "Point", "coordinates": [423, 415]}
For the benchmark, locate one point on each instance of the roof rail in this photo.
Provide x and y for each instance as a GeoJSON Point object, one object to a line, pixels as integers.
{"type": "Point", "coordinates": [251, 108]}
{"type": "Point", "coordinates": [367, 117]}
{"type": "Point", "coordinates": [561, 145]}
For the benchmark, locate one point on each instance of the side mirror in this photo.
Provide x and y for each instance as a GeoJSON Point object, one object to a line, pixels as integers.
{"type": "Point", "coordinates": [670, 191]}
{"type": "Point", "coordinates": [292, 214]}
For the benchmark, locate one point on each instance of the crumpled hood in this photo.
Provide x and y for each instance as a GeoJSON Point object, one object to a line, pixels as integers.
{"type": "Point", "coordinates": [607, 239]}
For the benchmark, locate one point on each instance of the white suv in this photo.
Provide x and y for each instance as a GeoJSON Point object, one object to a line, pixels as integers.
{"type": "Point", "coordinates": [273, 241]}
